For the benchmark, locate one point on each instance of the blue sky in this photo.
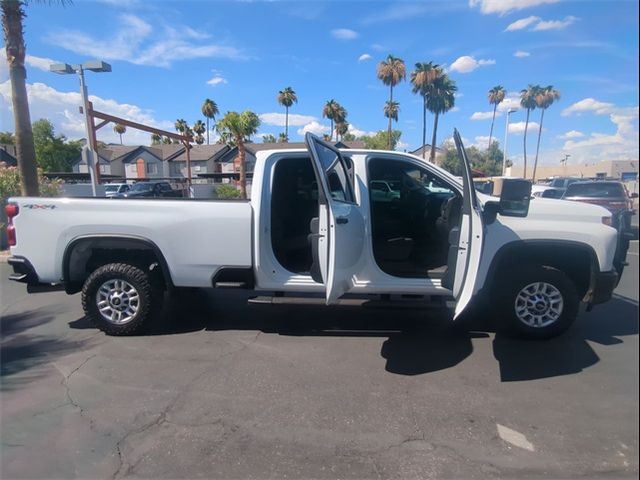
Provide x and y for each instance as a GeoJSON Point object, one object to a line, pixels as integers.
{"type": "Point", "coordinates": [167, 57]}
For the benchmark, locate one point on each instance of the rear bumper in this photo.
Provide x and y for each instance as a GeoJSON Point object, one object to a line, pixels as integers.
{"type": "Point", "coordinates": [24, 272]}
{"type": "Point", "coordinates": [603, 286]}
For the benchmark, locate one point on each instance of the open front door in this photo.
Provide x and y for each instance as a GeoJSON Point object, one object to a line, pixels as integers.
{"type": "Point", "coordinates": [338, 233]}
{"type": "Point", "coordinates": [465, 253]}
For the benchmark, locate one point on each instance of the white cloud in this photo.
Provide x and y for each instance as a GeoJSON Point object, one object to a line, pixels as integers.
{"type": "Point", "coordinates": [344, 34]}
{"type": "Point", "coordinates": [466, 64]}
{"type": "Point", "coordinates": [62, 109]}
{"type": "Point", "coordinates": [511, 102]}
{"type": "Point", "coordinates": [554, 24]}
{"type": "Point", "coordinates": [537, 24]}
{"type": "Point", "coordinates": [482, 141]}
{"type": "Point", "coordinates": [522, 23]}
{"type": "Point", "coordinates": [571, 134]}
{"type": "Point", "coordinates": [402, 146]}
{"type": "Point", "coordinates": [314, 127]}
{"type": "Point", "coordinates": [484, 115]}
{"type": "Point", "coordinates": [138, 42]}
{"type": "Point", "coordinates": [521, 54]}
{"type": "Point", "coordinates": [518, 127]}
{"type": "Point", "coordinates": [359, 133]}
{"type": "Point", "coordinates": [502, 7]}
{"type": "Point", "coordinates": [217, 80]}
{"type": "Point", "coordinates": [364, 57]}
{"type": "Point", "coordinates": [41, 63]}
{"type": "Point", "coordinates": [588, 105]}
{"type": "Point", "coordinates": [278, 119]}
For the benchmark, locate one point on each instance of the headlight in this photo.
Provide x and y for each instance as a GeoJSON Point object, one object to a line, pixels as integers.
{"type": "Point", "coordinates": [607, 221]}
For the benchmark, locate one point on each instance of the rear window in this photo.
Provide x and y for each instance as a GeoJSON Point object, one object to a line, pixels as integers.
{"type": "Point", "coordinates": [595, 190]}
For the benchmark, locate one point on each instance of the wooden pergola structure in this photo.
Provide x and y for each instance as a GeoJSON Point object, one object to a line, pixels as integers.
{"type": "Point", "coordinates": [105, 119]}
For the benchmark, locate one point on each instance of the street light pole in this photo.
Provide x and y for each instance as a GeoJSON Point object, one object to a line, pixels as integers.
{"type": "Point", "coordinates": [506, 137]}
{"type": "Point", "coordinates": [91, 150]}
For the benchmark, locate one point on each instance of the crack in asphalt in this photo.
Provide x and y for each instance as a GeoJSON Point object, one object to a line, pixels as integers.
{"type": "Point", "coordinates": [162, 416]}
{"type": "Point", "coordinates": [65, 384]}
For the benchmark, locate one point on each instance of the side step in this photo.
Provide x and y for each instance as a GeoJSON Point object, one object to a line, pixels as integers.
{"type": "Point", "coordinates": [434, 302]}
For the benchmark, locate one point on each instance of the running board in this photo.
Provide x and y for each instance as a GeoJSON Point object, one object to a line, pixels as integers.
{"type": "Point", "coordinates": [433, 302]}
{"type": "Point", "coordinates": [230, 285]}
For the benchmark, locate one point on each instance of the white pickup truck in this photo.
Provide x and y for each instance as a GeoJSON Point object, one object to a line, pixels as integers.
{"type": "Point", "coordinates": [313, 227]}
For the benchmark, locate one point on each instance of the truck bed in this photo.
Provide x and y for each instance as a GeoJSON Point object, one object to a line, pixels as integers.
{"type": "Point", "coordinates": [195, 237]}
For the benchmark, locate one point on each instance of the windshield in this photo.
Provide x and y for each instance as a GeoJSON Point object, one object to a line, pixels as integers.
{"type": "Point", "coordinates": [142, 187]}
{"type": "Point", "coordinates": [594, 190]}
{"type": "Point", "coordinates": [111, 188]}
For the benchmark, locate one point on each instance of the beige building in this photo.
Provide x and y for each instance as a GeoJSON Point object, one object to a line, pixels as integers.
{"type": "Point", "coordinates": [625, 170]}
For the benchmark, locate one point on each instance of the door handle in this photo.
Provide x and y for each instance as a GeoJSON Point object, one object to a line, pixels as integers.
{"type": "Point", "coordinates": [342, 220]}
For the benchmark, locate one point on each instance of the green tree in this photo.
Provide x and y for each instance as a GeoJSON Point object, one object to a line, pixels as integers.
{"type": "Point", "coordinates": [269, 138]}
{"type": "Point", "coordinates": [528, 101]}
{"type": "Point", "coordinates": [227, 191]}
{"type": "Point", "coordinates": [495, 96]}
{"type": "Point", "coordinates": [440, 99]}
{"type": "Point", "coordinates": [330, 110]}
{"type": "Point", "coordinates": [166, 141]}
{"type": "Point", "coordinates": [53, 152]}
{"type": "Point", "coordinates": [348, 137]}
{"type": "Point", "coordinates": [341, 129]}
{"type": "Point", "coordinates": [286, 98]}
{"type": "Point", "coordinates": [423, 76]}
{"type": "Point", "coordinates": [7, 138]}
{"type": "Point", "coordinates": [120, 130]}
{"type": "Point", "coordinates": [381, 140]}
{"type": "Point", "coordinates": [209, 110]}
{"type": "Point", "coordinates": [282, 138]}
{"type": "Point", "coordinates": [240, 127]}
{"type": "Point", "coordinates": [488, 162]}
{"type": "Point", "coordinates": [391, 72]}
{"type": "Point", "coordinates": [391, 110]}
{"type": "Point", "coordinates": [544, 99]}
{"type": "Point", "coordinates": [156, 139]}
{"type": "Point", "coordinates": [15, 52]}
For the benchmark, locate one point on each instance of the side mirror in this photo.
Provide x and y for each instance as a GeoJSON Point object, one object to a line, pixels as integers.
{"type": "Point", "coordinates": [515, 198]}
{"type": "Point", "coordinates": [633, 195]}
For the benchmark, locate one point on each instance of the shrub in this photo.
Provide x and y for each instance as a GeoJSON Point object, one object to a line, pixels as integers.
{"type": "Point", "coordinates": [227, 191]}
{"type": "Point", "coordinates": [10, 184]}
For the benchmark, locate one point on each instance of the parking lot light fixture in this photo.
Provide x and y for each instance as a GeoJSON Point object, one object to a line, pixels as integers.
{"type": "Point", "coordinates": [97, 66]}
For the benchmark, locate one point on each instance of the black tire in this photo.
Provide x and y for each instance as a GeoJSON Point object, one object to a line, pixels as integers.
{"type": "Point", "coordinates": [148, 297]}
{"type": "Point", "coordinates": [507, 295]}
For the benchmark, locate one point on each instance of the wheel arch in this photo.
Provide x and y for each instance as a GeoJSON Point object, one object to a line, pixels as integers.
{"type": "Point", "coordinates": [79, 252]}
{"type": "Point", "coordinates": [577, 260]}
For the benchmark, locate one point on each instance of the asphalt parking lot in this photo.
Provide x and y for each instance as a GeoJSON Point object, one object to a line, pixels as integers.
{"type": "Point", "coordinates": [224, 390]}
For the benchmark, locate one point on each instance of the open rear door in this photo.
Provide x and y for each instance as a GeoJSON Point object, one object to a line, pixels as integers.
{"type": "Point", "coordinates": [338, 233]}
{"type": "Point", "coordinates": [465, 254]}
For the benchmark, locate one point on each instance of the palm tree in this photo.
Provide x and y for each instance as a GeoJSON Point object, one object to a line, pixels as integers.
{"type": "Point", "coordinates": [440, 99]}
{"type": "Point", "coordinates": [423, 76]}
{"type": "Point", "coordinates": [341, 129]}
{"type": "Point", "coordinates": [544, 99]}
{"type": "Point", "coordinates": [209, 110]}
{"type": "Point", "coordinates": [496, 96]}
{"type": "Point", "coordinates": [391, 110]}
{"type": "Point", "coordinates": [166, 141]}
{"type": "Point", "coordinates": [528, 101]}
{"type": "Point", "coordinates": [156, 139]}
{"type": "Point", "coordinates": [181, 126]}
{"type": "Point", "coordinates": [199, 139]}
{"type": "Point", "coordinates": [239, 127]}
{"type": "Point", "coordinates": [391, 71]}
{"type": "Point", "coordinates": [286, 98]}
{"type": "Point", "coordinates": [282, 138]}
{"type": "Point", "coordinates": [199, 128]}
{"type": "Point", "coordinates": [330, 109]}
{"type": "Point", "coordinates": [120, 130]}
{"type": "Point", "coordinates": [269, 138]}
{"type": "Point", "coordinates": [12, 14]}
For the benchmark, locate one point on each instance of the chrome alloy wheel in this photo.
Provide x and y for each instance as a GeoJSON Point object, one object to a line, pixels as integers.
{"type": "Point", "coordinates": [539, 305]}
{"type": "Point", "coordinates": [118, 301]}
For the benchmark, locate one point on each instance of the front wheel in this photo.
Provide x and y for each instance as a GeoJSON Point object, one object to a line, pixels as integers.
{"type": "Point", "coordinates": [119, 298]}
{"type": "Point", "coordinates": [538, 302]}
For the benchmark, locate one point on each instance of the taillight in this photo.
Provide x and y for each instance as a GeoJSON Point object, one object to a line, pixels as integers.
{"type": "Point", "coordinates": [11, 210]}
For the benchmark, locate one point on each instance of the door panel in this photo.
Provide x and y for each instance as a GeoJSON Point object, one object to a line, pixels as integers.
{"type": "Point", "coordinates": [340, 224]}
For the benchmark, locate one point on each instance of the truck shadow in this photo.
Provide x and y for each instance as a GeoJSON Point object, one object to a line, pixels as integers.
{"type": "Point", "coordinates": [417, 341]}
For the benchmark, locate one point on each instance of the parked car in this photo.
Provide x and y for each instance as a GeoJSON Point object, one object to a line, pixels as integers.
{"type": "Point", "coordinates": [334, 239]}
{"type": "Point", "coordinates": [382, 191]}
{"type": "Point", "coordinates": [546, 191]}
{"type": "Point", "coordinates": [113, 189]}
{"type": "Point", "coordinates": [150, 190]}
{"type": "Point", "coordinates": [561, 183]}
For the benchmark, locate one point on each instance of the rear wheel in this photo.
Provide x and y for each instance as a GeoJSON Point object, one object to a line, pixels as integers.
{"type": "Point", "coordinates": [538, 302]}
{"type": "Point", "coordinates": [119, 298]}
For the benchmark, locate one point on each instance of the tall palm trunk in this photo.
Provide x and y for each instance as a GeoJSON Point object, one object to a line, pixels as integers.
{"type": "Point", "coordinates": [390, 102]}
{"type": "Point", "coordinates": [286, 123]}
{"type": "Point", "coordinates": [432, 155]}
{"type": "Point", "coordinates": [120, 138]}
{"type": "Point", "coordinates": [331, 136]}
{"type": "Point", "coordinates": [526, 126]}
{"type": "Point", "coordinates": [495, 106]}
{"type": "Point", "coordinates": [424, 127]}
{"type": "Point", "coordinates": [15, 50]}
{"type": "Point", "coordinates": [535, 163]}
{"type": "Point", "coordinates": [207, 130]}
{"type": "Point", "coordinates": [243, 168]}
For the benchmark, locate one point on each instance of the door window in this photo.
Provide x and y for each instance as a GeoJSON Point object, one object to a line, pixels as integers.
{"type": "Point", "coordinates": [337, 173]}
